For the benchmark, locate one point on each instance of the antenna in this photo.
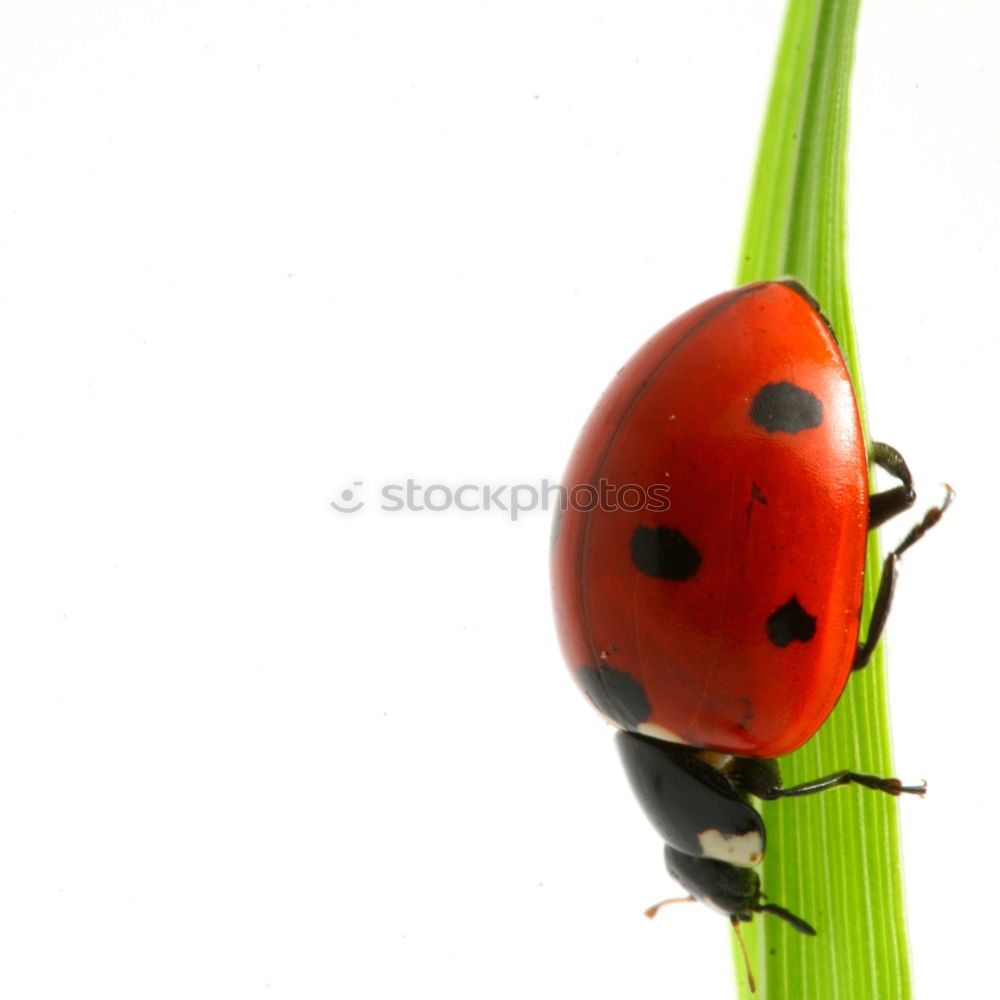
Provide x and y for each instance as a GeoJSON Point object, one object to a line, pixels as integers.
{"type": "Point", "coordinates": [653, 910]}
{"type": "Point", "coordinates": [746, 958]}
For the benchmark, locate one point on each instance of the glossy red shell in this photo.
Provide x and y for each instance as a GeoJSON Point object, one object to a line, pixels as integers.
{"type": "Point", "coordinates": [778, 519]}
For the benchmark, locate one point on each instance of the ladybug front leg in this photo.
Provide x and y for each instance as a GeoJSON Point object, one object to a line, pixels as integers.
{"type": "Point", "coordinates": [890, 570]}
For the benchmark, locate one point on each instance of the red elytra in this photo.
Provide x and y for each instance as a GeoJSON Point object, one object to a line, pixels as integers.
{"type": "Point", "coordinates": [730, 620]}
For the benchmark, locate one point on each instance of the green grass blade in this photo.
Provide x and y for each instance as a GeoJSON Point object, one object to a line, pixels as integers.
{"type": "Point", "coordinates": [832, 858]}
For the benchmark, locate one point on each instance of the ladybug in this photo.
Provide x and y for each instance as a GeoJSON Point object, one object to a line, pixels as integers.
{"type": "Point", "coordinates": [708, 561]}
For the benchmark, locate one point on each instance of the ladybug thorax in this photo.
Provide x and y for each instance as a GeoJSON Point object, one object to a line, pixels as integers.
{"type": "Point", "coordinates": [695, 808]}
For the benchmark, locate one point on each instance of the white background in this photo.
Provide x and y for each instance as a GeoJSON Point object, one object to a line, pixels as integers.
{"type": "Point", "coordinates": [254, 253]}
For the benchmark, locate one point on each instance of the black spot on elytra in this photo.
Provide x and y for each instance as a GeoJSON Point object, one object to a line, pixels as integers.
{"type": "Point", "coordinates": [617, 694]}
{"type": "Point", "coordinates": [790, 623]}
{"type": "Point", "coordinates": [782, 406]}
{"type": "Point", "coordinates": [664, 553]}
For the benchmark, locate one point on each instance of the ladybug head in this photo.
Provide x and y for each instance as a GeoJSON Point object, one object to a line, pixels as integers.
{"type": "Point", "coordinates": [731, 889]}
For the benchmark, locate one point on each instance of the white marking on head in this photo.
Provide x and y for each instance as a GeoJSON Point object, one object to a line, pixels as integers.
{"type": "Point", "coordinates": [657, 732]}
{"type": "Point", "coordinates": [744, 849]}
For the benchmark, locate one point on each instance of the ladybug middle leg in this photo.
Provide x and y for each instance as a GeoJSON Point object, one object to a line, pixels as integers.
{"type": "Point", "coordinates": [763, 778]}
{"type": "Point", "coordinates": [891, 785]}
{"type": "Point", "coordinates": [883, 506]}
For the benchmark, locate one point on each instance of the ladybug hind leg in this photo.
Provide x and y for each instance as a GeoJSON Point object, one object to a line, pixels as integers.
{"type": "Point", "coordinates": [882, 507]}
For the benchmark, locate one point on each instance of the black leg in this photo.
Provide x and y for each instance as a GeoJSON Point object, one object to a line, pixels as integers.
{"type": "Point", "coordinates": [882, 506]}
{"type": "Point", "coordinates": [891, 785]}
{"type": "Point", "coordinates": [762, 778]}
{"type": "Point", "coordinates": [779, 911]}
{"type": "Point", "coordinates": [883, 599]}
